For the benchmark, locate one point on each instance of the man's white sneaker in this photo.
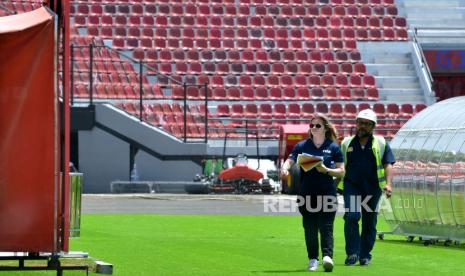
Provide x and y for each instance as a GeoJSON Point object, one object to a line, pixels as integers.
{"type": "Point", "coordinates": [313, 265]}
{"type": "Point", "coordinates": [328, 264]}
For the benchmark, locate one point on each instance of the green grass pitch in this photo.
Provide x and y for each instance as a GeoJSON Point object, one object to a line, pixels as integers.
{"type": "Point", "coordinates": [239, 245]}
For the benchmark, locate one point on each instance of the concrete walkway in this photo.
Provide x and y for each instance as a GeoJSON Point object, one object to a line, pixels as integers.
{"type": "Point", "coordinates": [191, 204]}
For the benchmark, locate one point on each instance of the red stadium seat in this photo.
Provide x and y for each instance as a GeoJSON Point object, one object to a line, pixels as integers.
{"type": "Point", "coordinates": [264, 68]}
{"type": "Point", "coordinates": [219, 93]}
{"type": "Point", "coordinates": [237, 111]}
{"type": "Point", "coordinates": [406, 111]}
{"type": "Point", "coordinates": [258, 81]}
{"type": "Point", "coordinates": [222, 110]}
{"type": "Point", "coordinates": [355, 81]}
{"type": "Point", "coordinates": [289, 93]}
{"type": "Point", "coordinates": [369, 81]}
{"type": "Point", "coordinates": [251, 111]}
{"type": "Point", "coordinates": [350, 111]}
{"type": "Point", "coordinates": [317, 93]}
{"type": "Point", "coordinates": [363, 106]}
{"type": "Point", "coordinates": [231, 81]}
{"type": "Point", "coordinates": [401, 34]}
{"type": "Point", "coordinates": [391, 10]}
{"type": "Point", "coordinates": [237, 68]}
{"type": "Point", "coordinates": [335, 110]}
{"type": "Point", "coordinates": [322, 108]}
{"type": "Point", "coordinates": [261, 93]}
{"type": "Point", "coordinates": [303, 94]}
{"type": "Point", "coordinates": [392, 110]}
{"type": "Point", "coordinates": [286, 80]}
{"type": "Point", "coordinates": [419, 107]}
{"type": "Point", "coordinates": [372, 94]}
{"type": "Point", "coordinates": [374, 22]}
{"type": "Point", "coordinates": [300, 81]}
{"type": "Point", "coordinates": [345, 94]}
{"type": "Point", "coordinates": [327, 80]}
{"type": "Point", "coordinates": [233, 94]}
{"type": "Point", "coordinates": [341, 80]}
{"type": "Point", "coordinates": [280, 113]}
{"type": "Point", "coordinates": [380, 110]}
{"type": "Point", "coordinates": [331, 93]}
{"type": "Point", "coordinates": [293, 112]}
{"type": "Point", "coordinates": [314, 80]}
{"type": "Point", "coordinates": [265, 111]}
{"type": "Point", "coordinates": [307, 110]}
{"type": "Point", "coordinates": [362, 34]}
{"type": "Point", "coordinates": [275, 93]}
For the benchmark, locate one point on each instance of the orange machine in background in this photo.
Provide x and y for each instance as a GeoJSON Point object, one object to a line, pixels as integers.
{"type": "Point", "coordinates": [289, 135]}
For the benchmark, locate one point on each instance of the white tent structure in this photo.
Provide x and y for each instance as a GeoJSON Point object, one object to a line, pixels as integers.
{"type": "Point", "coordinates": [429, 180]}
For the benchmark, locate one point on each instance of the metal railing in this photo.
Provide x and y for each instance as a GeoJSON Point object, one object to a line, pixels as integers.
{"type": "Point", "coordinates": [426, 78]}
{"type": "Point", "coordinates": [142, 98]}
{"type": "Point", "coordinates": [241, 126]}
{"type": "Point", "coordinates": [424, 62]}
{"type": "Point", "coordinates": [140, 64]}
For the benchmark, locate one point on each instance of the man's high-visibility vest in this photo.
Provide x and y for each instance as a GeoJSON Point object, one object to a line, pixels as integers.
{"type": "Point", "coordinates": [378, 146]}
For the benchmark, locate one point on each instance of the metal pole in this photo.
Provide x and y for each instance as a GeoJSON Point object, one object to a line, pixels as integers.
{"type": "Point", "coordinates": [206, 112]}
{"type": "Point", "coordinates": [258, 145]}
{"type": "Point", "coordinates": [185, 112]}
{"type": "Point", "coordinates": [132, 157]}
{"type": "Point", "coordinates": [91, 73]}
{"type": "Point", "coordinates": [140, 90]}
{"type": "Point", "coordinates": [72, 74]}
{"type": "Point", "coordinates": [246, 132]}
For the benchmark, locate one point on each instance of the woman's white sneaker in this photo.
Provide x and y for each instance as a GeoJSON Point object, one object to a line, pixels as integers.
{"type": "Point", "coordinates": [328, 264]}
{"type": "Point", "coordinates": [313, 265]}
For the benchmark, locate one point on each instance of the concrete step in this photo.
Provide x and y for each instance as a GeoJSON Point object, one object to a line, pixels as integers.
{"type": "Point", "coordinates": [390, 67]}
{"type": "Point", "coordinates": [431, 14]}
{"type": "Point", "coordinates": [391, 72]}
{"type": "Point", "coordinates": [390, 59]}
{"type": "Point", "coordinates": [381, 53]}
{"type": "Point", "coordinates": [399, 91]}
{"type": "Point", "coordinates": [393, 68]}
{"type": "Point", "coordinates": [435, 10]}
{"type": "Point", "coordinates": [430, 3]}
{"type": "Point", "coordinates": [404, 99]}
{"type": "Point", "coordinates": [435, 23]}
{"type": "Point", "coordinates": [395, 85]}
{"type": "Point", "coordinates": [394, 59]}
{"type": "Point", "coordinates": [411, 100]}
{"type": "Point", "coordinates": [413, 21]}
{"type": "Point", "coordinates": [397, 81]}
{"type": "Point", "coordinates": [396, 94]}
{"type": "Point", "coordinates": [442, 40]}
{"type": "Point", "coordinates": [383, 47]}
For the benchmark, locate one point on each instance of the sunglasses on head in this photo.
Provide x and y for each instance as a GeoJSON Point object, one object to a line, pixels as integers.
{"type": "Point", "coordinates": [315, 125]}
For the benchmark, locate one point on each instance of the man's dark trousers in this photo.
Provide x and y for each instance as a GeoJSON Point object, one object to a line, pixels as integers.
{"type": "Point", "coordinates": [356, 243]}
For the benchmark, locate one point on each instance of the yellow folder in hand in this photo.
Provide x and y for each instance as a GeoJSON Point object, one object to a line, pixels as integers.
{"type": "Point", "coordinates": [308, 161]}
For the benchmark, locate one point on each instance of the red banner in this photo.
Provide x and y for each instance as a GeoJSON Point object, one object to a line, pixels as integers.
{"type": "Point", "coordinates": [29, 184]}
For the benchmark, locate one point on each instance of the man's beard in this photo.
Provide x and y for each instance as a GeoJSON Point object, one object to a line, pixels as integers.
{"type": "Point", "coordinates": [362, 133]}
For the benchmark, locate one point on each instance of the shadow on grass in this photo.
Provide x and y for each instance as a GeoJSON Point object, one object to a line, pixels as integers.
{"type": "Point", "coordinates": [295, 270]}
{"type": "Point", "coordinates": [418, 243]}
{"type": "Point", "coordinates": [281, 271]}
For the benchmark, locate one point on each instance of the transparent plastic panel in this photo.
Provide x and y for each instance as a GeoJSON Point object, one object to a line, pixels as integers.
{"type": "Point", "coordinates": [431, 166]}
{"type": "Point", "coordinates": [458, 180]}
{"type": "Point", "coordinates": [405, 186]}
{"type": "Point", "coordinates": [399, 151]}
{"type": "Point", "coordinates": [447, 144]}
{"type": "Point", "coordinates": [418, 179]}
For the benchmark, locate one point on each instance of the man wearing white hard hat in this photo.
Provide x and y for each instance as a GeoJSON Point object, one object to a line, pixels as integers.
{"type": "Point", "coordinates": [368, 161]}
